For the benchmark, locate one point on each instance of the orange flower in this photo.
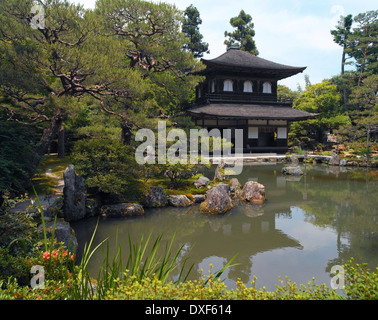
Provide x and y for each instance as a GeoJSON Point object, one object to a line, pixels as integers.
{"type": "Point", "coordinates": [46, 255]}
{"type": "Point", "coordinates": [64, 253]}
{"type": "Point", "coordinates": [55, 254]}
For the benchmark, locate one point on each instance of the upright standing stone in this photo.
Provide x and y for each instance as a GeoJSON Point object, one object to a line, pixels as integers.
{"type": "Point", "coordinates": [235, 187]}
{"type": "Point", "coordinates": [219, 171]}
{"type": "Point", "coordinates": [75, 195]}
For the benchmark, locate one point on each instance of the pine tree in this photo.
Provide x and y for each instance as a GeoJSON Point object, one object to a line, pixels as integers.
{"type": "Point", "coordinates": [191, 29]}
{"type": "Point", "coordinates": [243, 35]}
{"type": "Point", "coordinates": [362, 44]}
{"type": "Point", "coordinates": [341, 35]}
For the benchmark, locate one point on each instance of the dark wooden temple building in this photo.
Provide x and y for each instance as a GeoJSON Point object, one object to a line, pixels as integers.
{"type": "Point", "coordinates": [240, 92]}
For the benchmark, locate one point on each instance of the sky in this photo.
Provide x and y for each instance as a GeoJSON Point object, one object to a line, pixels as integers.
{"type": "Point", "coordinates": [291, 32]}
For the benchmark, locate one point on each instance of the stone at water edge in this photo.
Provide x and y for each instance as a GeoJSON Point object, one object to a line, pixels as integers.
{"type": "Point", "coordinates": [235, 188]}
{"type": "Point", "coordinates": [63, 233]}
{"type": "Point", "coordinates": [155, 198]}
{"type": "Point", "coordinates": [253, 192]}
{"type": "Point", "coordinates": [75, 195]}
{"type": "Point", "coordinates": [334, 161]}
{"type": "Point", "coordinates": [180, 201]}
{"type": "Point", "coordinates": [122, 210]}
{"type": "Point", "coordinates": [217, 202]}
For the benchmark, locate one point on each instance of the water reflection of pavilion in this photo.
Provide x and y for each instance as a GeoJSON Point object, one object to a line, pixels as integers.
{"type": "Point", "coordinates": [223, 237]}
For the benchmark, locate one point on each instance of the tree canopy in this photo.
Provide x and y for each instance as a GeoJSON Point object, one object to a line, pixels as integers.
{"type": "Point", "coordinates": [243, 33]}
{"type": "Point", "coordinates": [125, 57]}
{"type": "Point", "coordinates": [190, 28]}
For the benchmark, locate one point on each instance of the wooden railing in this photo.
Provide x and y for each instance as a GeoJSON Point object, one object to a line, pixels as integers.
{"type": "Point", "coordinates": [244, 98]}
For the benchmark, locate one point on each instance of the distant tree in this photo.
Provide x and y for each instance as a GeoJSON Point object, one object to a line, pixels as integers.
{"type": "Point", "coordinates": [362, 44]}
{"type": "Point", "coordinates": [190, 28]}
{"type": "Point", "coordinates": [243, 34]}
{"type": "Point", "coordinates": [286, 94]}
{"type": "Point", "coordinates": [323, 99]}
{"type": "Point", "coordinates": [341, 35]}
{"type": "Point", "coordinates": [363, 114]}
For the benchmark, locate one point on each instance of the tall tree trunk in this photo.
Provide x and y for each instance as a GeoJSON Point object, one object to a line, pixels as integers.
{"type": "Point", "coordinates": [48, 135]}
{"type": "Point", "coordinates": [345, 90]}
{"type": "Point", "coordinates": [61, 142]}
{"type": "Point", "coordinates": [127, 133]}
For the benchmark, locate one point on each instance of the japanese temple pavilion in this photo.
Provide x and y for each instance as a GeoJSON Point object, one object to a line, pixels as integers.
{"type": "Point", "coordinates": [240, 92]}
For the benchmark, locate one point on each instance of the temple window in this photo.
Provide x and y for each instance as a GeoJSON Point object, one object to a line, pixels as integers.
{"type": "Point", "coordinates": [228, 85]}
{"type": "Point", "coordinates": [248, 86]}
{"type": "Point", "coordinates": [212, 86]}
{"type": "Point", "coordinates": [267, 87]}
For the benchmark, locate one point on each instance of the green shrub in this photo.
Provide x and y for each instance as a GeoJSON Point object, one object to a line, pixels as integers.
{"type": "Point", "coordinates": [108, 165]}
{"type": "Point", "coordinates": [16, 267]}
{"type": "Point", "coordinates": [16, 155]}
{"type": "Point", "coordinates": [18, 233]}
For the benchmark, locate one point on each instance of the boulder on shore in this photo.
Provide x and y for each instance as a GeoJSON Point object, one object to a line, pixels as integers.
{"type": "Point", "coordinates": [201, 182]}
{"type": "Point", "coordinates": [122, 210]}
{"type": "Point", "coordinates": [63, 233]}
{"type": "Point", "coordinates": [75, 195]}
{"type": "Point", "coordinates": [334, 161]}
{"type": "Point", "coordinates": [294, 171]}
{"type": "Point", "coordinates": [155, 198]}
{"type": "Point", "coordinates": [253, 192]}
{"type": "Point", "coordinates": [180, 201]}
{"type": "Point", "coordinates": [217, 202]}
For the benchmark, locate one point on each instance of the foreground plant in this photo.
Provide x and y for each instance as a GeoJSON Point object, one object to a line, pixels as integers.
{"type": "Point", "coordinates": [146, 275]}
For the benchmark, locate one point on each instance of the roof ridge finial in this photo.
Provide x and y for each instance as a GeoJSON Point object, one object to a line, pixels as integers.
{"type": "Point", "coordinates": [234, 47]}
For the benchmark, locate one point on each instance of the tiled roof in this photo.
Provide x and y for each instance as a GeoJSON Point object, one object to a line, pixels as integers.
{"type": "Point", "coordinates": [239, 59]}
{"type": "Point", "coordinates": [251, 111]}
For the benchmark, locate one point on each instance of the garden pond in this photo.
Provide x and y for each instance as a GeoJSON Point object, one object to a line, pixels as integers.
{"type": "Point", "coordinates": [307, 225]}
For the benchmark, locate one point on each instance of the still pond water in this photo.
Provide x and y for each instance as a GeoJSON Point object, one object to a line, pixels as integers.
{"type": "Point", "coordinates": [306, 226]}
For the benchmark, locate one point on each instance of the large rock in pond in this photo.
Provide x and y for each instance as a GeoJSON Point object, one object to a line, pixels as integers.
{"type": "Point", "coordinates": [218, 201]}
{"type": "Point", "coordinates": [201, 182]}
{"type": "Point", "coordinates": [155, 198]}
{"type": "Point", "coordinates": [180, 201]}
{"type": "Point", "coordinates": [253, 192]}
{"type": "Point", "coordinates": [293, 171]}
{"type": "Point", "coordinates": [75, 195]}
{"type": "Point", "coordinates": [122, 210]}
